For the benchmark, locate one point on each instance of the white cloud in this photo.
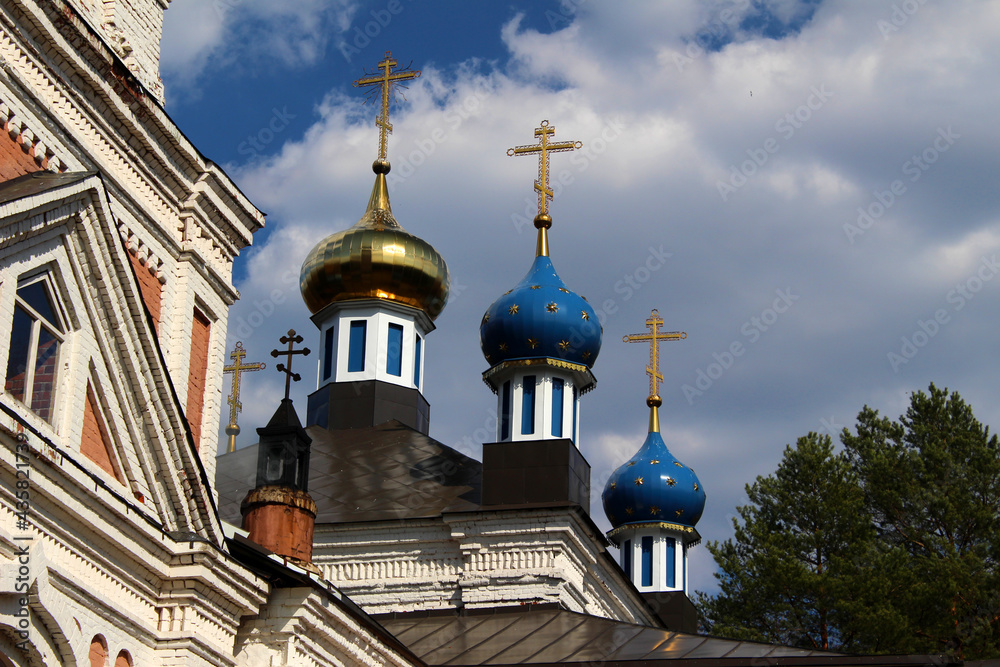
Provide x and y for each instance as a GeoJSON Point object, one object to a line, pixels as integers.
{"type": "Point", "coordinates": [229, 33]}
{"type": "Point", "coordinates": [653, 185]}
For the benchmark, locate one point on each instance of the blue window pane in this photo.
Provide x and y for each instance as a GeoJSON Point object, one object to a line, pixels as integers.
{"type": "Point", "coordinates": [528, 406]}
{"type": "Point", "coordinates": [627, 558]}
{"type": "Point", "coordinates": [647, 560]}
{"type": "Point", "coordinates": [557, 407]}
{"type": "Point", "coordinates": [671, 561]}
{"type": "Point", "coordinates": [356, 354]}
{"type": "Point", "coordinates": [505, 412]}
{"type": "Point", "coordinates": [416, 361]}
{"type": "Point", "coordinates": [37, 296]}
{"type": "Point", "coordinates": [394, 355]}
{"type": "Point", "coordinates": [328, 354]}
{"type": "Point", "coordinates": [18, 358]}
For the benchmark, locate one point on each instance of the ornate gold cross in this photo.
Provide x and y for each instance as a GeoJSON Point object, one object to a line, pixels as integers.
{"type": "Point", "coordinates": [543, 148]}
{"type": "Point", "coordinates": [291, 339]}
{"type": "Point", "coordinates": [654, 338]}
{"type": "Point", "coordinates": [237, 368]}
{"type": "Point", "coordinates": [387, 79]}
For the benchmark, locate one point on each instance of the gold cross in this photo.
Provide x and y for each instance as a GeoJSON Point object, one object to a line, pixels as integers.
{"type": "Point", "coordinates": [543, 148]}
{"type": "Point", "coordinates": [654, 338]}
{"type": "Point", "coordinates": [237, 368]}
{"type": "Point", "coordinates": [387, 79]}
{"type": "Point", "coordinates": [291, 339]}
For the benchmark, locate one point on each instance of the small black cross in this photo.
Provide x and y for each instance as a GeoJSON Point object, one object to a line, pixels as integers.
{"type": "Point", "coordinates": [291, 339]}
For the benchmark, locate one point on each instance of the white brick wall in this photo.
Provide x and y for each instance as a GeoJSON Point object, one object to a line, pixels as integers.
{"type": "Point", "coordinates": [476, 559]}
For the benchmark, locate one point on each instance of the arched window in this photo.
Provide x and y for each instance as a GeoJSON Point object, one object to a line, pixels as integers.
{"type": "Point", "coordinates": [98, 652]}
{"type": "Point", "coordinates": [123, 659]}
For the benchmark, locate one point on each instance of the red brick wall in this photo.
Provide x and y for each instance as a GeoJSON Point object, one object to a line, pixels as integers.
{"type": "Point", "coordinates": [14, 161]}
{"type": "Point", "coordinates": [150, 288]}
{"type": "Point", "coordinates": [95, 443]}
{"type": "Point", "coordinates": [201, 330]}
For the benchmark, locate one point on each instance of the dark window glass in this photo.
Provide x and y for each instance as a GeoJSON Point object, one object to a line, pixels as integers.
{"type": "Point", "coordinates": [356, 353]}
{"type": "Point", "coordinates": [416, 361]}
{"type": "Point", "coordinates": [505, 412]}
{"type": "Point", "coordinates": [647, 560]}
{"type": "Point", "coordinates": [37, 296]}
{"type": "Point", "coordinates": [44, 381]}
{"type": "Point", "coordinates": [328, 352]}
{"type": "Point", "coordinates": [671, 561]}
{"type": "Point", "coordinates": [528, 405]}
{"type": "Point", "coordinates": [575, 397]}
{"type": "Point", "coordinates": [394, 355]}
{"type": "Point", "coordinates": [33, 352]}
{"type": "Point", "coordinates": [20, 350]}
{"type": "Point", "coordinates": [557, 407]}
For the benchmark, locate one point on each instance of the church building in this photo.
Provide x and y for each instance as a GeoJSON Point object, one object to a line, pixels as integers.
{"type": "Point", "coordinates": [348, 536]}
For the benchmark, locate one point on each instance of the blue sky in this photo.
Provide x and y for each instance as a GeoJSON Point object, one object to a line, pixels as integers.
{"type": "Point", "coordinates": [808, 189]}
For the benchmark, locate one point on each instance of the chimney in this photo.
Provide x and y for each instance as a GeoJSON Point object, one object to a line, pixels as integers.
{"type": "Point", "coordinates": [278, 512]}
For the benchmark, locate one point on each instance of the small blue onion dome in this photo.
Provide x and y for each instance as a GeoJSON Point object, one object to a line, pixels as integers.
{"type": "Point", "coordinates": [653, 486]}
{"type": "Point", "coordinates": [541, 318]}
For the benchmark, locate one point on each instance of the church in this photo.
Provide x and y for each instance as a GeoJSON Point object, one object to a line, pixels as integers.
{"type": "Point", "coordinates": [346, 535]}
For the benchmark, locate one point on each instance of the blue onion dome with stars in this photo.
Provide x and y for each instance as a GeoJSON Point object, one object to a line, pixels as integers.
{"type": "Point", "coordinates": [541, 318]}
{"type": "Point", "coordinates": [653, 486]}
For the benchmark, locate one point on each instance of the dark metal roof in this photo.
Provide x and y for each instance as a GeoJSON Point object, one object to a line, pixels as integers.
{"type": "Point", "coordinates": [38, 182]}
{"type": "Point", "coordinates": [386, 472]}
{"type": "Point", "coordinates": [557, 636]}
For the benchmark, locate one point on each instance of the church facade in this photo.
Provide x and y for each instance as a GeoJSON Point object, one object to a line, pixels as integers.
{"type": "Point", "coordinates": [354, 539]}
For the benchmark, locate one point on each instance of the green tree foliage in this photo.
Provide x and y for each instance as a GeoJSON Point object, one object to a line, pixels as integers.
{"type": "Point", "coordinates": [932, 486]}
{"type": "Point", "coordinates": [788, 576]}
{"type": "Point", "coordinates": [888, 546]}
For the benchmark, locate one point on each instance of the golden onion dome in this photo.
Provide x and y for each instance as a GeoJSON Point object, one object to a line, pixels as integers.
{"type": "Point", "coordinates": [375, 259]}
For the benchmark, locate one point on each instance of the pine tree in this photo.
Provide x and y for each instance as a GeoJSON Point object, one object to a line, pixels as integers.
{"type": "Point", "coordinates": [932, 484]}
{"type": "Point", "coordinates": [789, 574]}
{"type": "Point", "coordinates": [889, 546]}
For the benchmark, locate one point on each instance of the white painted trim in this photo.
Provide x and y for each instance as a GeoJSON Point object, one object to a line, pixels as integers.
{"type": "Point", "coordinates": [660, 546]}
{"type": "Point", "coordinates": [544, 397]}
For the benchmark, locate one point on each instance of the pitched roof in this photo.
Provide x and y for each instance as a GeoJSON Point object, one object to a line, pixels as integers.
{"type": "Point", "coordinates": [558, 636]}
{"type": "Point", "coordinates": [38, 182]}
{"type": "Point", "coordinates": [386, 472]}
